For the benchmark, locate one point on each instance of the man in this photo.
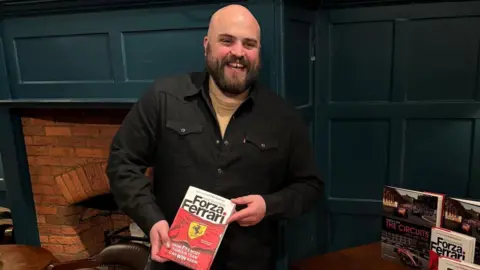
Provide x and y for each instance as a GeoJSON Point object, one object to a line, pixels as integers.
{"type": "Point", "coordinates": [218, 130]}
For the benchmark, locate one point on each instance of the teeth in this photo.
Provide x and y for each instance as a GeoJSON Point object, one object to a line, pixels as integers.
{"type": "Point", "coordinates": [235, 65]}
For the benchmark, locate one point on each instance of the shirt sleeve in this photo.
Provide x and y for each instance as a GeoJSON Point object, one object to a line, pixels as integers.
{"type": "Point", "coordinates": [131, 153]}
{"type": "Point", "coordinates": [304, 186]}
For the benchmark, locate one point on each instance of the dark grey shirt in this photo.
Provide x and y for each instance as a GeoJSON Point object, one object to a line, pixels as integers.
{"type": "Point", "coordinates": [266, 150]}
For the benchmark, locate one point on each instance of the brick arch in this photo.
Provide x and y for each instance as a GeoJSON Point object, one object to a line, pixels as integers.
{"type": "Point", "coordinates": [83, 182]}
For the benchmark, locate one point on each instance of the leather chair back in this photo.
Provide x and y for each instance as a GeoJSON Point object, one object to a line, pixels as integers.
{"type": "Point", "coordinates": [125, 256]}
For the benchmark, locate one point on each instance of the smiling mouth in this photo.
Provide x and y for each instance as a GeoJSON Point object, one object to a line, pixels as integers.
{"type": "Point", "coordinates": [236, 66]}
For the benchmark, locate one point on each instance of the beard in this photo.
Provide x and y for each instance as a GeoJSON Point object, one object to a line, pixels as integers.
{"type": "Point", "coordinates": [231, 84]}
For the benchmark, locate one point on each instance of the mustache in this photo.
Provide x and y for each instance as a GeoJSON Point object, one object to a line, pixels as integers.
{"type": "Point", "coordinates": [232, 59]}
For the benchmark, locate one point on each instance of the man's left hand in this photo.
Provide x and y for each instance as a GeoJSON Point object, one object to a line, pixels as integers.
{"type": "Point", "coordinates": [252, 214]}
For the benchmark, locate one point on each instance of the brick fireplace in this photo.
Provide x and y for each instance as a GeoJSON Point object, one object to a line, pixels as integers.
{"type": "Point", "coordinates": [67, 151]}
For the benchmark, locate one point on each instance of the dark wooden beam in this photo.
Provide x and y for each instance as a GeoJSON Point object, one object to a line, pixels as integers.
{"type": "Point", "coordinates": [35, 7]}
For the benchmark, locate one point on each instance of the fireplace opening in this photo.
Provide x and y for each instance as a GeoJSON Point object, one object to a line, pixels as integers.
{"type": "Point", "coordinates": [67, 151]}
{"type": "Point", "coordinates": [105, 205]}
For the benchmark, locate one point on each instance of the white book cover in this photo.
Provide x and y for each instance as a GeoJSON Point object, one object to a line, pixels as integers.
{"type": "Point", "coordinates": [452, 264]}
{"type": "Point", "coordinates": [447, 243]}
{"type": "Point", "coordinates": [463, 216]}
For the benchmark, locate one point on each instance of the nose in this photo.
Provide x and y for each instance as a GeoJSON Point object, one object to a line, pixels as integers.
{"type": "Point", "coordinates": [237, 50]}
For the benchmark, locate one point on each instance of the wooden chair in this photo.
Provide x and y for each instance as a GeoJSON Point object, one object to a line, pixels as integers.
{"type": "Point", "coordinates": [125, 256]}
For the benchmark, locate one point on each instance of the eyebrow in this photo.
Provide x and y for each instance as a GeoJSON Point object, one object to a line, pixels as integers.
{"type": "Point", "coordinates": [233, 37]}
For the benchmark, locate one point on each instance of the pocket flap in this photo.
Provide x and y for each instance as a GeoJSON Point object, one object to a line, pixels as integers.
{"type": "Point", "coordinates": [184, 128]}
{"type": "Point", "coordinates": [262, 142]}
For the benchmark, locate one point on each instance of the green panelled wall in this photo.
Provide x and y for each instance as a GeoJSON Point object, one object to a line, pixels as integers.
{"type": "Point", "coordinates": [390, 94]}
{"type": "Point", "coordinates": [397, 103]}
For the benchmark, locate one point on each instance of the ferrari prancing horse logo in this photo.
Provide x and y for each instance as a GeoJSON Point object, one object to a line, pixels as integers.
{"type": "Point", "coordinates": [196, 230]}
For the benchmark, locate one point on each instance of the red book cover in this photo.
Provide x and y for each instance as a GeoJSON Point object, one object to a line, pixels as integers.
{"type": "Point", "coordinates": [198, 229]}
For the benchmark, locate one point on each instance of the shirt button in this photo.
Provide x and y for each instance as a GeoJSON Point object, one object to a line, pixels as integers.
{"type": "Point", "coordinates": [220, 171]}
{"type": "Point", "coordinates": [225, 142]}
{"type": "Point", "coordinates": [182, 130]}
{"type": "Point", "coordinates": [217, 142]}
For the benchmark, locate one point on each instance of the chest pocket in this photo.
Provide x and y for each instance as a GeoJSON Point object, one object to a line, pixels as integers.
{"type": "Point", "coordinates": [262, 155]}
{"type": "Point", "coordinates": [262, 150]}
{"type": "Point", "coordinates": [182, 139]}
{"type": "Point", "coordinates": [262, 143]}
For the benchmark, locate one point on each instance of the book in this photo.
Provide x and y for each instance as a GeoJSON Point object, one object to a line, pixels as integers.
{"type": "Point", "coordinates": [198, 229]}
{"type": "Point", "coordinates": [408, 217]}
{"type": "Point", "coordinates": [445, 263]}
{"type": "Point", "coordinates": [447, 243]}
{"type": "Point", "coordinates": [463, 216]}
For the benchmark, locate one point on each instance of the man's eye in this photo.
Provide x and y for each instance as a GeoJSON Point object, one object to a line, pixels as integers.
{"type": "Point", "coordinates": [250, 45]}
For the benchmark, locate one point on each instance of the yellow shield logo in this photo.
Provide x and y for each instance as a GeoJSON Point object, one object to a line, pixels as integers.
{"type": "Point", "coordinates": [196, 230]}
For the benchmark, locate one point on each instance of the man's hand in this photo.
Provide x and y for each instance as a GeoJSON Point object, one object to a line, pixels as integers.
{"type": "Point", "coordinates": [159, 237]}
{"type": "Point", "coordinates": [252, 214]}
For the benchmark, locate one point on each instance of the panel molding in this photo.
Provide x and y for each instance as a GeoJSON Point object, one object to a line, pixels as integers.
{"type": "Point", "coordinates": [474, 183]}
{"type": "Point", "coordinates": [17, 179]}
{"type": "Point", "coordinates": [115, 25]}
{"type": "Point", "coordinates": [37, 7]}
{"type": "Point", "coordinates": [4, 85]}
{"type": "Point", "coordinates": [406, 12]}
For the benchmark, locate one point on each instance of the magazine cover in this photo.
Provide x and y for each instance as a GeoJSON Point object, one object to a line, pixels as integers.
{"type": "Point", "coordinates": [405, 243]}
{"type": "Point", "coordinates": [417, 207]}
{"type": "Point", "coordinates": [408, 218]}
{"type": "Point", "coordinates": [463, 216]}
{"type": "Point", "coordinates": [447, 243]}
{"type": "Point", "coordinates": [446, 263]}
{"type": "Point", "coordinates": [198, 229]}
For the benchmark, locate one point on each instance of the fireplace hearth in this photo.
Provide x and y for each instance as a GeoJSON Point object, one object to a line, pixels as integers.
{"type": "Point", "coordinates": [67, 151]}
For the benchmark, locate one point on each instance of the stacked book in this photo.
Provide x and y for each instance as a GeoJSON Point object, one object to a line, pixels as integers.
{"type": "Point", "coordinates": [432, 231]}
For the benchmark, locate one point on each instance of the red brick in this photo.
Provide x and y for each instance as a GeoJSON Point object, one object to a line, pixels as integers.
{"type": "Point", "coordinates": [43, 189]}
{"type": "Point", "coordinates": [44, 238]}
{"type": "Point", "coordinates": [66, 240]}
{"type": "Point", "coordinates": [52, 161]}
{"type": "Point", "coordinates": [53, 248]}
{"type": "Point", "coordinates": [99, 142]}
{"type": "Point", "coordinates": [63, 220]}
{"type": "Point", "coordinates": [41, 219]}
{"type": "Point", "coordinates": [57, 170]}
{"type": "Point", "coordinates": [73, 249]}
{"type": "Point", "coordinates": [91, 153]}
{"type": "Point", "coordinates": [46, 210]}
{"type": "Point", "coordinates": [33, 130]}
{"type": "Point", "coordinates": [85, 130]}
{"type": "Point", "coordinates": [61, 151]}
{"type": "Point", "coordinates": [31, 161]}
{"type": "Point", "coordinates": [70, 210]}
{"type": "Point", "coordinates": [54, 200]}
{"type": "Point", "coordinates": [37, 199]}
{"type": "Point", "coordinates": [72, 161]}
{"type": "Point", "coordinates": [37, 150]}
{"type": "Point", "coordinates": [44, 140]}
{"type": "Point", "coordinates": [28, 140]}
{"type": "Point", "coordinates": [64, 189]}
{"type": "Point", "coordinates": [58, 131]}
{"type": "Point", "coordinates": [45, 180]}
{"type": "Point", "coordinates": [108, 132]}
{"type": "Point", "coordinates": [56, 230]}
{"type": "Point", "coordinates": [44, 170]}
{"type": "Point", "coordinates": [41, 122]}
{"type": "Point", "coordinates": [72, 141]}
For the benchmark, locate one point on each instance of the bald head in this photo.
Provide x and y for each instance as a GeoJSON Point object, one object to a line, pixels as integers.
{"type": "Point", "coordinates": [232, 48]}
{"type": "Point", "coordinates": [233, 15]}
